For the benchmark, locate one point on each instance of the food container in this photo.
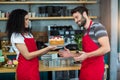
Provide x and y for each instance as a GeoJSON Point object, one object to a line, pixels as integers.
{"type": "Point", "coordinates": [2, 59]}
{"type": "Point", "coordinates": [5, 45]}
{"type": "Point", "coordinates": [58, 62]}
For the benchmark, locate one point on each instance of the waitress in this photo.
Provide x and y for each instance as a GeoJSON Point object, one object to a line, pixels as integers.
{"type": "Point", "coordinates": [95, 44]}
{"type": "Point", "coordinates": [24, 45]}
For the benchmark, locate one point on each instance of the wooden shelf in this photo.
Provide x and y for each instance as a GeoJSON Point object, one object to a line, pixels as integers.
{"type": "Point", "coordinates": [8, 53]}
{"type": "Point", "coordinates": [52, 18]}
{"type": "Point", "coordinates": [48, 2]}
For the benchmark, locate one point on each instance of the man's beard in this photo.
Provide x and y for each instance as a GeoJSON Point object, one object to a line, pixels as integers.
{"type": "Point", "coordinates": [83, 22]}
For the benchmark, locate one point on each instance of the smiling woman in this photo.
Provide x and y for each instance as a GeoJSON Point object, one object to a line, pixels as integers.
{"type": "Point", "coordinates": [22, 40]}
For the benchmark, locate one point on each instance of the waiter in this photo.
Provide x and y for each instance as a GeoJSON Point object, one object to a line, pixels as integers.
{"type": "Point", "coordinates": [95, 44]}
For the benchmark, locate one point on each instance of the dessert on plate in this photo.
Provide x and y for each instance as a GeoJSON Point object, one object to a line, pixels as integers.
{"type": "Point", "coordinates": [56, 40]}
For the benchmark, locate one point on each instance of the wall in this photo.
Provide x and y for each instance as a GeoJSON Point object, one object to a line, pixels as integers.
{"type": "Point", "coordinates": [118, 77]}
{"type": "Point", "coordinates": [105, 19]}
{"type": "Point", "coordinates": [114, 40]}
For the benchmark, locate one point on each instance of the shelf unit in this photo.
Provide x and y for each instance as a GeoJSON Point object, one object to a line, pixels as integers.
{"type": "Point", "coordinates": [49, 2]}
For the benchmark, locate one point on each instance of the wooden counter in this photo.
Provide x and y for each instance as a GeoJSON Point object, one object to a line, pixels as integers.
{"type": "Point", "coordinates": [46, 68]}
{"type": "Point", "coordinates": [50, 52]}
{"type": "Point", "coordinates": [62, 68]}
{"type": "Point", "coordinates": [43, 68]}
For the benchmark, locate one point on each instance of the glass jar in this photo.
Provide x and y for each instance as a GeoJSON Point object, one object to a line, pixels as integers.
{"type": "Point", "coordinates": [5, 44]}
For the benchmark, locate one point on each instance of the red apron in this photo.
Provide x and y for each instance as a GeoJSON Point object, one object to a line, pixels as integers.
{"type": "Point", "coordinates": [28, 69]}
{"type": "Point", "coordinates": [92, 68]}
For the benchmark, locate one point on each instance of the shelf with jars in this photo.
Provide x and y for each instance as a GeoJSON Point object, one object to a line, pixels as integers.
{"type": "Point", "coordinates": [64, 15]}
{"type": "Point", "coordinates": [50, 2]}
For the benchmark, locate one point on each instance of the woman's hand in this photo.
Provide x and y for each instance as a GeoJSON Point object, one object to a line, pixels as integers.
{"type": "Point", "coordinates": [82, 57]}
{"type": "Point", "coordinates": [52, 47]}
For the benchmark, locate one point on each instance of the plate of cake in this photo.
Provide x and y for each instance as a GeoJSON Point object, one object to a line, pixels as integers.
{"type": "Point", "coordinates": [57, 41]}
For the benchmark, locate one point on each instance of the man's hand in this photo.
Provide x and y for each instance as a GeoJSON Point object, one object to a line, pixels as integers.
{"type": "Point", "coordinates": [65, 53]}
{"type": "Point", "coordinates": [82, 57]}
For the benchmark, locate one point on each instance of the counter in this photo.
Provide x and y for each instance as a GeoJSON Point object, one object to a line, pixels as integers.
{"type": "Point", "coordinates": [43, 68]}
{"type": "Point", "coordinates": [53, 69]}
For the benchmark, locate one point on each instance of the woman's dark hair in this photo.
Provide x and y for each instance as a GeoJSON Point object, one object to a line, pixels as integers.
{"type": "Point", "coordinates": [79, 9]}
{"type": "Point", "coordinates": [16, 22]}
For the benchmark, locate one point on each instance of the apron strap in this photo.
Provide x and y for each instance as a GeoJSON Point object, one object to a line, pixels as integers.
{"type": "Point", "coordinates": [22, 35]}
